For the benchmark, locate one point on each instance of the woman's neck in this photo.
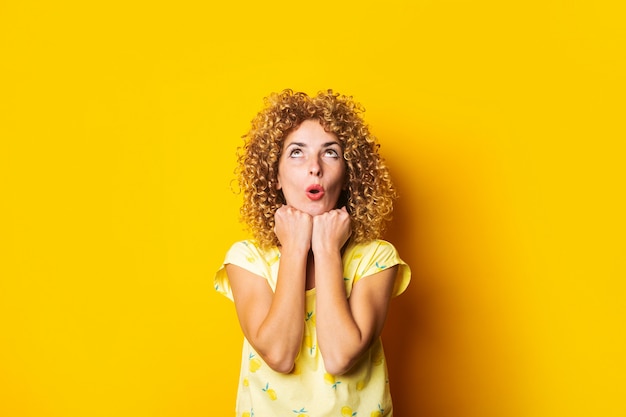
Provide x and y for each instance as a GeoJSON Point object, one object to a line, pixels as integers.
{"type": "Point", "coordinates": [310, 272]}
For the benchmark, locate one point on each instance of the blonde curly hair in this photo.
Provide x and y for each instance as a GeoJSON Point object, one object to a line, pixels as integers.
{"type": "Point", "coordinates": [369, 193]}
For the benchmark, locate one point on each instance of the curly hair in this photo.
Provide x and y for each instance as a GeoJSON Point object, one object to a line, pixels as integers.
{"type": "Point", "coordinates": [369, 193]}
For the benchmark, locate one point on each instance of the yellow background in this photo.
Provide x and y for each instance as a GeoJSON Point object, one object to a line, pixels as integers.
{"type": "Point", "coordinates": [502, 124]}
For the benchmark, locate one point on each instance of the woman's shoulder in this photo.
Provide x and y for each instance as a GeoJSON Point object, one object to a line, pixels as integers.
{"type": "Point", "coordinates": [247, 254]}
{"type": "Point", "coordinates": [252, 245]}
{"type": "Point", "coordinates": [370, 247]}
{"type": "Point", "coordinates": [368, 258]}
{"type": "Point", "coordinates": [371, 256]}
{"type": "Point", "coordinates": [244, 245]}
{"type": "Point", "coordinates": [252, 251]}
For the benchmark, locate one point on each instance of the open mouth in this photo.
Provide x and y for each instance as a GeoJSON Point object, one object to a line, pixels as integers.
{"type": "Point", "coordinates": [315, 192]}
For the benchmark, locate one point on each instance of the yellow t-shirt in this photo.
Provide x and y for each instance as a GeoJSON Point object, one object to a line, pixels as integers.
{"type": "Point", "coordinates": [309, 390]}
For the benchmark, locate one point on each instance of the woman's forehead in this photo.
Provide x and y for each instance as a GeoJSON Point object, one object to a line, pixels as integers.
{"type": "Point", "coordinates": [311, 133]}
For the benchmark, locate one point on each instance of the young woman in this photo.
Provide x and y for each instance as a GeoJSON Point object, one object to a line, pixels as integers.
{"type": "Point", "coordinates": [312, 288]}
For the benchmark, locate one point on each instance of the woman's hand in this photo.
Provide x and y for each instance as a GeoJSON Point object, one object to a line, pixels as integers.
{"type": "Point", "coordinates": [293, 228]}
{"type": "Point", "coordinates": [331, 230]}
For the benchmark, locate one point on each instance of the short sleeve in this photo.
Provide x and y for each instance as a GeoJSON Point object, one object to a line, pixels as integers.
{"type": "Point", "coordinates": [383, 255]}
{"type": "Point", "coordinates": [243, 254]}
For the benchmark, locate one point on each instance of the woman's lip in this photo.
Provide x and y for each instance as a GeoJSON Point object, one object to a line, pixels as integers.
{"type": "Point", "coordinates": [315, 192]}
{"type": "Point", "coordinates": [315, 196]}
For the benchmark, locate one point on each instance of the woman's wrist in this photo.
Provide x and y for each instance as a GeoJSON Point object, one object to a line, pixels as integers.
{"type": "Point", "coordinates": [296, 251]}
{"type": "Point", "coordinates": [326, 252]}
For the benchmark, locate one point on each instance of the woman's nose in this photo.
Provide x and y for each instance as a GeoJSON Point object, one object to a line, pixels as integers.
{"type": "Point", "coordinates": [315, 167]}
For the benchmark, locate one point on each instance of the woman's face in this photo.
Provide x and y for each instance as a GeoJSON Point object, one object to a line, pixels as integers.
{"type": "Point", "coordinates": [311, 169]}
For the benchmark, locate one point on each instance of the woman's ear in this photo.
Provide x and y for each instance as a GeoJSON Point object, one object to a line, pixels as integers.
{"type": "Point", "coordinates": [278, 186]}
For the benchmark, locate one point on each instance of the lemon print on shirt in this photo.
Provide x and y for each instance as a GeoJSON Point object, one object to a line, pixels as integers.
{"type": "Point", "coordinates": [309, 344]}
{"type": "Point", "coordinates": [310, 316]}
{"type": "Point", "coordinates": [255, 363]}
{"type": "Point", "coordinates": [347, 412]}
{"type": "Point", "coordinates": [270, 392]}
{"type": "Point", "coordinates": [378, 413]}
{"type": "Point", "coordinates": [330, 380]}
{"type": "Point", "coordinates": [274, 259]}
{"type": "Point", "coordinates": [301, 412]}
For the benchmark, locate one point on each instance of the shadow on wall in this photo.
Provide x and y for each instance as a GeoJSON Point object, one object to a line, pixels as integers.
{"type": "Point", "coordinates": [422, 359]}
{"type": "Point", "coordinates": [447, 337]}
{"type": "Point", "coordinates": [410, 331]}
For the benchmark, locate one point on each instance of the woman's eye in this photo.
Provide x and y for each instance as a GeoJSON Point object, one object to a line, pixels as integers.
{"type": "Point", "coordinates": [295, 153]}
{"type": "Point", "coordinates": [332, 153]}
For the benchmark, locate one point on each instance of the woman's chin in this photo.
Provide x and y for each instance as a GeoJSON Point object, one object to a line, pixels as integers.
{"type": "Point", "coordinates": [314, 209]}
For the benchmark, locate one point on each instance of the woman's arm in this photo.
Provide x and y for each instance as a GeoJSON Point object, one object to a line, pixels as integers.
{"type": "Point", "coordinates": [345, 327]}
{"type": "Point", "coordinates": [273, 322]}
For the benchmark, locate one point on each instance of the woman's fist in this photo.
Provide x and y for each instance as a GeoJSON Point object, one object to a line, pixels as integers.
{"type": "Point", "coordinates": [293, 228]}
{"type": "Point", "coordinates": [331, 230]}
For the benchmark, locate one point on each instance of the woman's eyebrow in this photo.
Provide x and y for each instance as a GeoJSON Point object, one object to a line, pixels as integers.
{"type": "Point", "coordinates": [327, 144]}
{"type": "Point", "coordinates": [299, 144]}
{"type": "Point", "coordinates": [304, 145]}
